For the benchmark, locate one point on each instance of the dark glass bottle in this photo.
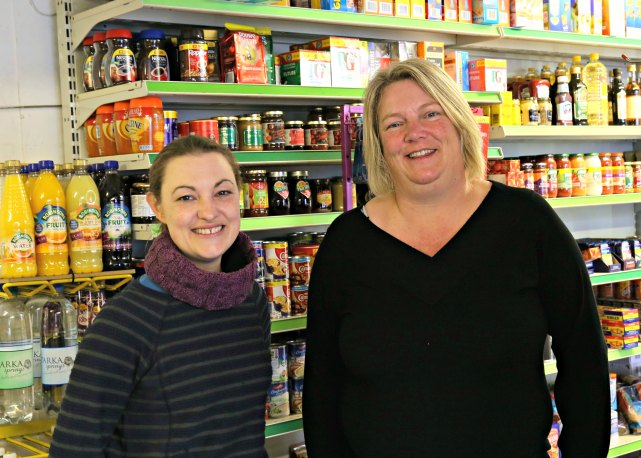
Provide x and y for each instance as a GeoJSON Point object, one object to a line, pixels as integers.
{"type": "Point", "coordinates": [579, 93]}
{"type": "Point", "coordinates": [100, 49]}
{"type": "Point", "coordinates": [116, 220]}
{"type": "Point", "coordinates": [633, 98]}
{"type": "Point", "coordinates": [618, 97]}
{"type": "Point", "coordinates": [301, 199]}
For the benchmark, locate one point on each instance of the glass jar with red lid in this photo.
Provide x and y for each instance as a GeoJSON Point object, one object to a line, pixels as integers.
{"type": "Point", "coordinates": [119, 64]}
{"type": "Point", "coordinates": [606, 173]}
{"type": "Point", "coordinates": [552, 176]}
{"type": "Point", "coordinates": [618, 173]}
{"type": "Point", "coordinates": [564, 175]}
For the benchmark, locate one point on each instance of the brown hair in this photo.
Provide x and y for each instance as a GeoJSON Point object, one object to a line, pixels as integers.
{"type": "Point", "coordinates": [438, 84]}
{"type": "Point", "coordinates": [184, 146]}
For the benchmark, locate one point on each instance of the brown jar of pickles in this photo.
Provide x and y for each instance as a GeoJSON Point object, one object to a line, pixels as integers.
{"type": "Point", "coordinates": [316, 135]}
{"type": "Point", "coordinates": [273, 131]}
{"type": "Point", "coordinates": [250, 133]}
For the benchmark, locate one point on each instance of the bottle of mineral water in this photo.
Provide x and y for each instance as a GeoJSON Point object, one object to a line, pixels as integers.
{"type": "Point", "coordinates": [34, 307]}
{"type": "Point", "coordinates": [16, 362]}
{"type": "Point", "coordinates": [59, 341]}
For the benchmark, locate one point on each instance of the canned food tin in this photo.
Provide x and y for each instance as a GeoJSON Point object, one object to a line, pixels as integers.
{"type": "Point", "coordinates": [278, 400]}
{"type": "Point", "coordinates": [296, 396]}
{"type": "Point", "coordinates": [299, 295]}
{"type": "Point", "coordinates": [296, 358]}
{"type": "Point", "coordinates": [207, 128]}
{"type": "Point", "coordinates": [299, 270]}
{"type": "Point", "coordinates": [306, 249]}
{"type": "Point", "coordinates": [260, 260]}
{"type": "Point", "coordinates": [183, 129]}
{"type": "Point", "coordinates": [277, 293]}
{"type": "Point", "coordinates": [171, 126]}
{"type": "Point", "coordinates": [298, 237]}
{"type": "Point", "coordinates": [279, 362]}
{"type": "Point", "coordinates": [276, 261]}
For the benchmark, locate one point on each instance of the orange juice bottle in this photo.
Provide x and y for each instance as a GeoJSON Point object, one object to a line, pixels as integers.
{"type": "Point", "coordinates": [17, 237]}
{"type": "Point", "coordinates": [32, 175]}
{"type": "Point", "coordinates": [50, 217]}
{"type": "Point", "coordinates": [83, 210]}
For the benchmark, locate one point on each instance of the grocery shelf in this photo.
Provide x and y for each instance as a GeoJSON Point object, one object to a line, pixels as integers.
{"type": "Point", "coordinates": [287, 221]}
{"type": "Point", "coordinates": [613, 355]}
{"type": "Point", "coordinates": [624, 445]}
{"type": "Point", "coordinates": [33, 427]}
{"type": "Point", "coordinates": [589, 201]}
{"type": "Point", "coordinates": [289, 324]}
{"type": "Point", "coordinates": [28, 286]}
{"type": "Point", "coordinates": [565, 133]}
{"type": "Point", "coordinates": [601, 278]}
{"type": "Point", "coordinates": [285, 425]}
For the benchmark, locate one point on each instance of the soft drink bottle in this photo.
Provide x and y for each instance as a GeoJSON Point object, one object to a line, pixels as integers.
{"type": "Point", "coordinates": [16, 362]}
{"type": "Point", "coordinates": [49, 210]}
{"type": "Point", "coordinates": [116, 220]}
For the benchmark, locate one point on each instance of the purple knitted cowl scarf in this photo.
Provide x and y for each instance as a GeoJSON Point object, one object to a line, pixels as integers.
{"type": "Point", "coordinates": [176, 274]}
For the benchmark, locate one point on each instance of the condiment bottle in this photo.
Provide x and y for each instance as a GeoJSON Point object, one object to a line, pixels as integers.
{"type": "Point", "coordinates": [629, 177]}
{"type": "Point", "coordinates": [301, 199]}
{"type": "Point", "coordinates": [550, 162]}
{"type": "Point", "coordinates": [100, 49]}
{"type": "Point", "coordinates": [563, 101]}
{"type": "Point", "coordinates": [540, 175]}
{"type": "Point", "coordinates": [594, 180]}
{"type": "Point", "coordinates": [579, 176]}
{"type": "Point", "coordinates": [154, 62]}
{"type": "Point", "coordinates": [579, 93]}
{"type": "Point", "coordinates": [545, 111]}
{"type": "Point", "coordinates": [528, 175]}
{"type": "Point", "coordinates": [88, 50]}
{"type": "Point", "coordinates": [632, 98]}
{"type": "Point", "coordinates": [322, 192]}
{"type": "Point", "coordinates": [119, 63]}
{"type": "Point", "coordinates": [258, 193]}
{"type": "Point", "coordinates": [529, 112]}
{"type": "Point", "coordinates": [618, 96]}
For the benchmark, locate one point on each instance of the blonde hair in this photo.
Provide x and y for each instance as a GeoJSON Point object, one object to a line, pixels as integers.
{"type": "Point", "coordinates": [438, 84]}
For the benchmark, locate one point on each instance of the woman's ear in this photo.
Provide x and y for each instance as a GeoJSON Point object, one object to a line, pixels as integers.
{"type": "Point", "coordinates": [155, 206]}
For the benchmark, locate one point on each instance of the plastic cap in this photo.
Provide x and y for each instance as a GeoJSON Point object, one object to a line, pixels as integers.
{"type": "Point", "coordinates": [119, 33]}
{"type": "Point", "coordinates": [102, 109]}
{"type": "Point", "coordinates": [576, 58]}
{"type": "Point", "coordinates": [99, 36]}
{"type": "Point", "coordinates": [23, 169]}
{"type": "Point", "coordinates": [100, 166]}
{"type": "Point", "coordinates": [147, 102]}
{"type": "Point", "coordinates": [87, 41]}
{"type": "Point", "coordinates": [111, 165]}
{"type": "Point", "coordinates": [121, 106]}
{"type": "Point", "coordinates": [170, 114]}
{"type": "Point", "coordinates": [152, 34]}
{"type": "Point", "coordinates": [210, 34]}
{"type": "Point", "coordinates": [33, 167]}
{"type": "Point", "coordinates": [594, 56]}
{"type": "Point", "coordinates": [46, 165]}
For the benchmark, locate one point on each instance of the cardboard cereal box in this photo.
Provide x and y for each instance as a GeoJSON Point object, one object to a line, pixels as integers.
{"type": "Point", "coordinates": [403, 50]}
{"type": "Point", "coordinates": [456, 65]}
{"type": "Point", "coordinates": [345, 58]}
{"type": "Point", "coordinates": [614, 18]}
{"type": "Point", "coordinates": [504, 12]}
{"type": "Point", "coordinates": [370, 7]}
{"type": "Point", "coordinates": [465, 11]}
{"type": "Point", "coordinates": [520, 13]}
{"type": "Point", "coordinates": [434, 51]}
{"type": "Point", "coordinates": [485, 11]}
{"type": "Point", "coordinates": [536, 14]}
{"type": "Point", "coordinates": [450, 10]}
{"type": "Point", "coordinates": [488, 75]}
{"type": "Point", "coordinates": [417, 9]}
{"type": "Point", "coordinates": [306, 68]}
{"type": "Point", "coordinates": [581, 16]}
{"type": "Point", "coordinates": [402, 8]}
{"type": "Point", "coordinates": [434, 10]}
{"type": "Point", "coordinates": [557, 15]}
{"type": "Point", "coordinates": [386, 7]}
{"type": "Point", "coordinates": [596, 24]}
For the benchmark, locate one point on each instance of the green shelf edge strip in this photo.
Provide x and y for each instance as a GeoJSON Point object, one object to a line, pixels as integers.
{"type": "Point", "coordinates": [601, 278]}
{"type": "Point", "coordinates": [284, 427]}
{"type": "Point", "coordinates": [613, 355]}
{"type": "Point", "coordinates": [562, 37]}
{"type": "Point", "coordinates": [620, 450]}
{"type": "Point", "coordinates": [287, 221]}
{"type": "Point", "coordinates": [289, 324]}
{"type": "Point", "coordinates": [595, 200]}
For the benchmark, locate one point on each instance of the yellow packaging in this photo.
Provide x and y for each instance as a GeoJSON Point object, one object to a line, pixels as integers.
{"type": "Point", "coordinates": [504, 13]}
{"type": "Point", "coordinates": [520, 13]}
{"type": "Point", "coordinates": [402, 8]}
{"type": "Point", "coordinates": [465, 11]}
{"type": "Point", "coordinates": [364, 47]}
{"type": "Point", "coordinates": [450, 10]}
{"type": "Point", "coordinates": [370, 7]}
{"type": "Point", "coordinates": [488, 75]}
{"type": "Point", "coordinates": [596, 24]}
{"type": "Point", "coordinates": [536, 15]}
{"type": "Point", "coordinates": [417, 9]}
{"type": "Point", "coordinates": [501, 114]}
{"type": "Point", "coordinates": [581, 16]}
{"type": "Point", "coordinates": [433, 51]}
{"type": "Point", "coordinates": [385, 7]}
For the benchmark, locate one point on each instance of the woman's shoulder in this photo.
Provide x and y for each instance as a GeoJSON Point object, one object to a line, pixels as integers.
{"type": "Point", "coordinates": [522, 197]}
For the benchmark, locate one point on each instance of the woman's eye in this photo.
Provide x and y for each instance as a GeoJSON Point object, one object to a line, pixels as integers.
{"type": "Point", "coordinates": [224, 192]}
{"type": "Point", "coordinates": [431, 114]}
{"type": "Point", "coordinates": [185, 198]}
{"type": "Point", "coordinates": [393, 125]}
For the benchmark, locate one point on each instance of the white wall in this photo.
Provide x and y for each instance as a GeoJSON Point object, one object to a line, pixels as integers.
{"type": "Point", "coordinates": [30, 113]}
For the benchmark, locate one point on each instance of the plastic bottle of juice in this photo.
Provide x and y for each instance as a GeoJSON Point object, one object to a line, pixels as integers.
{"type": "Point", "coordinates": [17, 236]}
{"type": "Point", "coordinates": [50, 217]}
{"type": "Point", "coordinates": [595, 77]}
{"type": "Point", "coordinates": [33, 171]}
{"type": "Point", "coordinates": [83, 210]}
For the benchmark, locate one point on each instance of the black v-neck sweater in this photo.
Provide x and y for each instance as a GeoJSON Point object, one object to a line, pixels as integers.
{"type": "Point", "coordinates": [416, 356]}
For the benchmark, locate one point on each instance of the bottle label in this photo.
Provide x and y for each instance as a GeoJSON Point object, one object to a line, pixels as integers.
{"type": "Point", "coordinates": [87, 72]}
{"type": "Point", "coordinates": [51, 230]}
{"type": "Point", "coordinates": [258, 195]}
{"type": "Point", "coordinates": [633, 107]}
{"type": "Point", "coordinates": [564, 111]}
{"type": "Point", "coordinates": [158, 65]}
{"type": "Point", "coordinates": [253, 136]}
{"type": "Point", "coordinates": [281, 188]}
{"type": "Point", "coordinates": [37, 360]}
{"type": "Point", "coordinates": [581, 104]}
{"type": "Point", "coordinates": [16, 366]}
{"type": "Point", "coordinates": [122, 67]}
{"type": "Point", "coordinates": [57, 364]}
{"type": "Point", "coordinates": [140, 208]}
{"type": "Point", "coordinates": [564, 179]}
{"type": "Point", "coordinates": [19, 248]}
{"type": "Point", "coordinates": [324, 198]}
{"type": "Point", "coordinates": [84, 228]}
{"type": "Point", "coordinates": [116, 226]}
{"type": "Point", "coordinates": [302, 187]}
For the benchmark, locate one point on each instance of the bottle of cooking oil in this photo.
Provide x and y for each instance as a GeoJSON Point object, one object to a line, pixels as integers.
{"type": "Point", "coordinates": [595, 77]}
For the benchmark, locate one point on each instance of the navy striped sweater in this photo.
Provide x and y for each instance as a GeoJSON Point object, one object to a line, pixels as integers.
{"type": "Point", "coordinates": [156, 377]}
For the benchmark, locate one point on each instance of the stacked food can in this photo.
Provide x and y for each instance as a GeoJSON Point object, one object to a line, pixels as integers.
{"type": "Point", "coordinates": [285, 395]}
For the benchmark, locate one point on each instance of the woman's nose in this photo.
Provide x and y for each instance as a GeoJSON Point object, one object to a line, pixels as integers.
{"type": "Point", "coordinates": [414, 130]}
{"type": "Point", "coordinates": [206, 209]}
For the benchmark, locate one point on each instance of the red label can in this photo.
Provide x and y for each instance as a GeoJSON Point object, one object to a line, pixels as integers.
{"type": "Point", "coordinates": [276, 264]}
{"type": "Point", "coordinates": [207, 128]}
{"type": "Point", "coordinates": [299, 270]}
{"type": "Point", "coordinates": [299, 295]}
{"type": "Point", "coordinates": [277, 293]}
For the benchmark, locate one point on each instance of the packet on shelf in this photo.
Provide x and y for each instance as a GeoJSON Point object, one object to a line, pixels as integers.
{"type": "Point", "coordinates": [242, 55]}
{"type": "Point", "coordinates": [306, 68]}
{"type": "Point", "coordinates": [599, 253]}
{"type": "Point", "coordinates": [456, 65]}
{"type": "Point", "coordinates": [557, 15]}
{"type": "Point", "coordinates": [433, 51]}
{"type": "Point", "coordinates": [488, 75]}
{"type": "Point", "coordinates": [345, 54]}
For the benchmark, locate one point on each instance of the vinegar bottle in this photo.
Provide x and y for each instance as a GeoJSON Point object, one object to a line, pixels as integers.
{"type": "Point", "coordinates": [116, 220]}
{"type": "Point", "coordinates": [48, 207]}
{"type": "Point", "coordinates": [83, 205]}
{"type": "Point", "coordinates": [16, 351]}
{"type": "Point", "coordinates": [59, 340]}
{"type": "Point", "coordinates": [17, 237]}
{"type": "Point", "coordinates": [595, 77]}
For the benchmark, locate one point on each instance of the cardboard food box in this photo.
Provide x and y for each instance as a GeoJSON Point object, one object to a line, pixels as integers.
{"type": "Point", "coordinates": [465, 11]}
{"type": "Point", "coordinates": [504, 13]}
{"type": "Point", "coordinates": [403, 50]}
{"type": "Point", "coordinates": [379, 56]}
{"type": "Point", "coordinates": [488, 75]}
{"type": "Point", "coordinates": [596, 24]}
{"type": "Point", "coordinates": [243, 58]}
{"type": "Point", "coordinates": [501, 113]}
{"type": "Point", "coordinates": [433, 51]}
{"type": "Point", "coordinates": [520, 13]}
{"type": "Point", "coordinates": [364, 47]}
{"type": "Point", "coordinates": [347, 6]}
{"type": "Point", "coordinates": [306, 68]}
{"type": "Point", "coordinates": [386, 7]}
{"type": "Point", "coordinates": [557, 15]}
{"type": "Point", "coordinates": [417, 9]}
{"type": "Point", "coordinates": [450, 10]}
{"type": "Point", "coordinates": [614, 18]}
{"type": "Point", "coordinates": [345, 58]}
{"type": "Point", "coordinates": [434, 10]}
{"type": "Point", "coordinates": [402, 8]}
{"type": "Point", "coordinates": [536, 14]}
{"type": "Point", "coordinates": [456, 65]}
{"type": "Point", "coordinates": [485, 11]}
{"type": "Point", "coordinates": [581, 16]}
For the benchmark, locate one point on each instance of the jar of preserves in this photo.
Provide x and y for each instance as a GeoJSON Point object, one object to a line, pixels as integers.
{"type": "Point", "coordinates": [192, 55]}
{"type": "Point", "coordinates": [257, 193]}
{"type": "Point", "coordinates": [529, 112]}
{"type": "Point", "coordinates": [119, 63]}
{"type": "Point", "coordinates": [528, 175]}
{"type": "Point", "coordinates": [316, 135]}
{"type": "Point", "coordinates": [545, 111]}
{"type": "Point", "coordinates": [322, 192]}
{"type": "Point", "coordinates": [250, 133]}
{"type": "Point", "coordinates": [334, 134]}
{"type": "Point", "coordinates": [105, 130]}
{"type": "Point", "coordinates": [301, 197]}
{"type": "Point", "coordinates": [146, 125]}
{"type": "Point", "coordinates": [550, 163]}
{"type": "Point", "coordinates": [540, 176]}
{"type": "Point", "coordinates": [294, 135]}
{"type": "Point", "coordinates": [316, 114]}
{"type": "Point", "coordinates": [273, 131]}
{"type": "Point", "coordinates": [278, 192]}
{"type": "Point", "coordinates": [606, 173]}
{"type": "Point", "coordinates": [636, 173]}
{"type": "Point", "coordinates": [228, 131]}
{"type": "Point", "coordinates": [629, 177]}
{"type": "Point", "coordinates": [618, 173]}
{"type": "Point", "coordinates": [594, 181]}
{"type": "Point", "coordinates": [564, 175]}
{"type": "Point", "coordinates": [579, 176]}
{"type": "Point", "coordinates": [154, 62]}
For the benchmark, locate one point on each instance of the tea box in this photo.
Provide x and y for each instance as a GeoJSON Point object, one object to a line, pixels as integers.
{"type": "Point", "coordinates": [306, 68]}
{"type": "Point", "coordinates": [345, 56]}
{"type": "Point", "coordinates": [488, 75]}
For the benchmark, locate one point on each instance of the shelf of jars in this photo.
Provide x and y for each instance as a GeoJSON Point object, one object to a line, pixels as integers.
{"type": "Point", "coordinates": [287, 221]}
{"type": "Point", "coordinates": [590, 201]}
{"type": "Point", "coordinates": [564, 133]}
{"type": "Point", "coordinates": [613, 355]}
{"type": "Point", "coordinates": [190, 94]}
{"type": "Point", "coordinates": [278, 426]}
{"type": "Point", "coordinates": [623, 445]}
{"type": "Point", "coordinates": [29, 286]}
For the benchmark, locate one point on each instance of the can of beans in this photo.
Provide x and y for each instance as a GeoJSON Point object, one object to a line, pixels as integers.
{"type": "Point", "coordinates": [299, 296]}
{"type": "Point", "coordinates": [183, 129]}
{"type": "Point", "coordinates": [277, 267]}
{"type": "Point", "coordinates": [278, 400]}
{"type": "Point", "coordinates": [296, 396]}
{"type": "Point", "coordinates": [277, 293]}
{"type": "Point", "coordinates": [260, 260]}
{"type": "Point", "coordinates": [296, 359]}
{"type": "Point", "coordinates": [299, 270]}
{"type": "Point", "coordinates": [207, 128]}
{"type": "Point", "coordinates": [306, 249]}
{"type": "Point", "coordinates": [279, 362]}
